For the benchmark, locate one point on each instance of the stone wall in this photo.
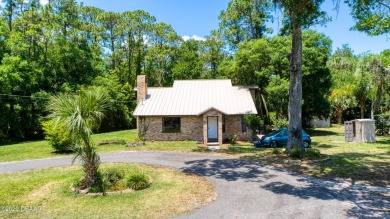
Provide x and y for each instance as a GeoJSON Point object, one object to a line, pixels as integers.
{"type": "Point", "coordinates": [233, 126]}
{"type": "Point", "coordinates": [142, 87]}
{"type": "Point", "coordinates": [194, 128]}
{"type": "Point", "coordinates": [191, 129]}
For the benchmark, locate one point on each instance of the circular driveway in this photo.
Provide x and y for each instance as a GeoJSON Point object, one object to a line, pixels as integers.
{"type": "Point", "coordinates": [245, 189]}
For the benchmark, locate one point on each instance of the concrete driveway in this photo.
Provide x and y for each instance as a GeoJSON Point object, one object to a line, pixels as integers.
{"type": "Point", "coordinates": [252, 190]}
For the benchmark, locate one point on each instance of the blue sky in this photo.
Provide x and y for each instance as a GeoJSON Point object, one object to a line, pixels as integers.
{"type": "Point", "coordinates": [198, 17]}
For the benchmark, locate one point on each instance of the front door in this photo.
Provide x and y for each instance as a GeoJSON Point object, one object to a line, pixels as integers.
{"type": "Point", "coordinates": [212, 129]}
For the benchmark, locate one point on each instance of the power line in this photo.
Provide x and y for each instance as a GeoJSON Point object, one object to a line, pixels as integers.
{"type": "Point", "coordinates": [20, 96]}
{"type": "Point", "coordinates": [6, 97]}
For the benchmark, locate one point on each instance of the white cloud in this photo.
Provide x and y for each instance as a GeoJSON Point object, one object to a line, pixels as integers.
{"type": "Point", "coordinates": [185, 38]}
{"type": "Point", "coordinates": [198, 38]}
{"type": "Point", "coordinates": [43, 2]}
{"type": "Point", "coordinates": [194, 37]}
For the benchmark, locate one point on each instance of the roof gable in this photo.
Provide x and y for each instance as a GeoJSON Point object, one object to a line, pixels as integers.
{"type": "Point", "coordinates": [195, 97]}
{"type": "Point", "coordinates": [210, 109]}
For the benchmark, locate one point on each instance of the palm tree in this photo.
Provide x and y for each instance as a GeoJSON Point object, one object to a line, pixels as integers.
{"type": "Point", "coordinates": [81, 113]}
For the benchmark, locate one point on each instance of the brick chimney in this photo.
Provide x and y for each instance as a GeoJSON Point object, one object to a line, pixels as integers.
{"type": "Point", "coordinates": [142, 88]}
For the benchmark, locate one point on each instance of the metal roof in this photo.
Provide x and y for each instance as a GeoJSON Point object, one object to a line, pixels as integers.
{"type": "Point", "coordinates": [195, 97]}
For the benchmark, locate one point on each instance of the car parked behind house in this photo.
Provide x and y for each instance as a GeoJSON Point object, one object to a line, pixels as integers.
{"type": "Point", "coordinates": [280, 137]}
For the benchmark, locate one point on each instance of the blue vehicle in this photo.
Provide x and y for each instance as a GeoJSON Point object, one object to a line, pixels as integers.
{"type": "Point", "coordinates": [280, 137]}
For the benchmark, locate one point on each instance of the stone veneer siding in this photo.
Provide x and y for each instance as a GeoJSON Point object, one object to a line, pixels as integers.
{"type": "Point", "coordinates": [194, 128]}
{"type": "Point", "coordinates": [191, 129]}
{"type": "Point", "coordinates": [142, 88]}
{"type": "Point", "coordinates": [233, 127]}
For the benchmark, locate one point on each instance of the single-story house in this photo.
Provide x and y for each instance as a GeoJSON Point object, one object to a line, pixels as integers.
{"type": "Point", "coordinates": [207, 111]}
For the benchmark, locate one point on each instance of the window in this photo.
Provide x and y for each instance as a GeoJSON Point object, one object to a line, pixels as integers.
{"type": "Point", "coordinates": [243, 126]}
{"type": "Point", "coordinates": [223, 124]}
{"type": "Point", "coordinates": [171, 125]}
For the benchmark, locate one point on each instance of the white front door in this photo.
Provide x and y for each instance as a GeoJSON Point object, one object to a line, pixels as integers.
{"type": "Point", "coordinates": [212, 128]}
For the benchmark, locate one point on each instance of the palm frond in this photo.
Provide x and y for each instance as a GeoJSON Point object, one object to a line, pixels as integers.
{"type": "Point", "coordinates": [81, 113]}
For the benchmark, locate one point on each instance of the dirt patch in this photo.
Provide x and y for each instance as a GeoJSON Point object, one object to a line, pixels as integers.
{"type": "Point", "coordinates": [112, 142]}
{"type": "Point", "coordinates": [41, 192]}
{"type": "Point", "coordinates": [136, 144]}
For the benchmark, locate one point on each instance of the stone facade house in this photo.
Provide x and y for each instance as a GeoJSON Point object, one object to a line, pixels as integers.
{"type": "Point", "coordinates": [207, 111]}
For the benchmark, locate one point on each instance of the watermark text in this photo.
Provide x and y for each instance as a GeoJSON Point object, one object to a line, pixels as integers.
{"type": "Point", "coordinates": [22, 208]}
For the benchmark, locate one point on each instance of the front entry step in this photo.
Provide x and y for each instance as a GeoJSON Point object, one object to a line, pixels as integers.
{"type": "Point", "coordinates": [213, 146]}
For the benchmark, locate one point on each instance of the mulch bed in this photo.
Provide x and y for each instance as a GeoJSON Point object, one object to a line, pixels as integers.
{"type": "Point", "coordinates": [105, 143]}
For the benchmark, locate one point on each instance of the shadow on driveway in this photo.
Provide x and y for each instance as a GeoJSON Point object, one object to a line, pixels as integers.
{"type": "Point", "coordinates": [301, 192]}
{"type": "Point", "coordinates": [368, 203]}
{"type": "Point", "coordinates": [229, 169]}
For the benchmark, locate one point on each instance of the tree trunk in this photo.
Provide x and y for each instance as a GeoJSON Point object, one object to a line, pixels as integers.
{"type": "Point", "coordinates": [129, 56]}
{"type": "Point", "coordinates": [10, 14]}
{"type": "Point", "coordinates": [376, 103]}
{"type": "Point", "coordinates": [265, 106]}
{"type": "Point", "coordinates": [295, 90]}
{"type": "Point", "coordinates": [45, 53]}
{"type": "Point", "coordinates": [112, 40]}
{"type": "Point", "coordinates": [12, 130]}
{"type": "Point", "coordinates": [362, 107]}
{"type": "Point", "coordinates": [339, 112]}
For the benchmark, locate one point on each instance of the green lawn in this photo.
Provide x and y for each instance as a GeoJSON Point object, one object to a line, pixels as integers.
{"type": "Point", "coordinates": [358, 161]}
{"type": "Point", "coordinates": [46, 194]}
{"type": "Point", "coordinates": [41, 149]}
{"type": "Point", "coordinates": [367, 161]}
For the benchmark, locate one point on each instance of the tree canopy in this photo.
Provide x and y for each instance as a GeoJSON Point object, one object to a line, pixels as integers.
{"type": "Point", "coordinates": [63, 46]}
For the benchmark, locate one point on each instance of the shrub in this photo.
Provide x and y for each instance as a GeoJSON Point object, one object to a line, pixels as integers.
{"type": "Point", "coordinates": [268, 129]}
{"type": "Point", "coordinates": [105, 180]}
{"type": "Point", "coordinates": [137, 181]}
{"type": "Point", "coordinates": [79, 183]}
{"type": "Point", "coordinates": [233, 139]}
{"type": "Point", "coordinates": [278, 122]}
{"type": "Point", "coordinates": [313, 153]}
{"type": "Point", "coordinates": [140, 138]}
{"type": "Point", "coordinates": [109, 178]}
{"type": "Point", "coordinates": [99, 185]}
{"type": "Point", "coordinates": [275, 151]}
{"type": "Point", "coordinates": [122, 142]}
{"type": "Point", "coordinates": [112, 176]}
{"type": "Point", "coordinates": [253, 122]}
{"type": "Point", "coordinates": [296, 152]}
{"type": "Point", "coordinates": [57, 136]}
{"type": "Point", "coordinates": [382, 124]}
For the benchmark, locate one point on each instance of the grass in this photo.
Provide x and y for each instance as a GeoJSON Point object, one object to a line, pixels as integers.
{"type": "Point", "coordinates": [46, 193]}
{"type": "Point", "coordinates": [357, 161]}
{"type": "Point", "coordinates": [366, 161]}
{"type": "Point", "coordinates": [42, 149]}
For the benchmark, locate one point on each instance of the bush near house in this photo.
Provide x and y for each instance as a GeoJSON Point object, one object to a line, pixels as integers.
{"type": "Point", "coordinates": [57, 136]}
{"type": "Point", "coordinates": [382, 124]}
{"type": "Point", "coordinates": [233, 139]}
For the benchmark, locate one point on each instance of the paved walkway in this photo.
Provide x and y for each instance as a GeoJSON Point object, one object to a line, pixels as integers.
{"type": "Point", "coordinates": [252, 190]}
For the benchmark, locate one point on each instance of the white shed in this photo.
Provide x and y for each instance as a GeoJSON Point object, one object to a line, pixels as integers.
{"type": "Point", "coordinates": [360, 130]}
